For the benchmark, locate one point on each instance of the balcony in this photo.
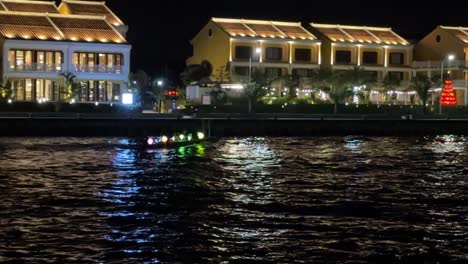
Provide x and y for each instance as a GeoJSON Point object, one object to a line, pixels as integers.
{"type": "Point", "coordinates": [36, 67]}
{"type": "Point", "coordinates": [113, 69]}
{"type": "Point", "coordinates": [437, 64]}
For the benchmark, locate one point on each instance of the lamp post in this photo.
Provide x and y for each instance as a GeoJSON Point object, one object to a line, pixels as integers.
{"type": "Point", "coordinates": [257, 51]}
{"type": "Point", "coordinates": [160, 84]}
{"type": "Point", "coordinates": [450, 57]}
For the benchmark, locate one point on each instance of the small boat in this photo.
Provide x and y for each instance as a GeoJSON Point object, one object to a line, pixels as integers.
{"type": "Point", "coordinates": [178, 140]}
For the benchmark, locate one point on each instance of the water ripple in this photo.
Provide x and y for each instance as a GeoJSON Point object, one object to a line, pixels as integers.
{"type": "Point", "coordinates": [266, 200]}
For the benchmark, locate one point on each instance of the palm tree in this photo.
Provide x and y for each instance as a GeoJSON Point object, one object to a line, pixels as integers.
{"type": "Point", "coordinates": [5, 90]}
{"type": "Point", "coordinates": [333, 83]}
{"type": "Point", "coordinates": [71, 88]}
{"type": "Point", "coordinates": [422, 84]}
{"type": "Point", "coordinates": [358, 77]}
{"type": "Point", "coordinates": [390, 82]}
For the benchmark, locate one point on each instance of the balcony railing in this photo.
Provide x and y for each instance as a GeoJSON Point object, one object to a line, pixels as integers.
{"type": "Point", "coordinates": [117, 69]}
{"type": "Point", "coordinates": [437, 64]}
{"type": "Point", "coordinates": [37, 67]}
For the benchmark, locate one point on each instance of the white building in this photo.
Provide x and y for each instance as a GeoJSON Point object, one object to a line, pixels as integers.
{"type": "Point", "coordinates": [40, 42]}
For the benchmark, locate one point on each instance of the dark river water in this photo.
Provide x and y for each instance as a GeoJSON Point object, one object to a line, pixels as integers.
{"type": "Point", "coordinates": [264, 200]}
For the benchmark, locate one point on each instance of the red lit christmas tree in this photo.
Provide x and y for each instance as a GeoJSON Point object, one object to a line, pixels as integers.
{"type": "Point", "coordinates": [448, 95]}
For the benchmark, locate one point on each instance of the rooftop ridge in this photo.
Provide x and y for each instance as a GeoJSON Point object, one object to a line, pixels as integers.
{"type": "Point", "coordinates": [258, 22]}
{"type": "Point", "coordinates": [103, 17]}
{"type": "Point", "coordinates": [114, 15]}
{"type": "Point", "coordinates": [454, 27]}
{"type": "Point", "coordinates": [30, 2]}
{"type": "Point", "coordinates": [319, 25]}
{"type": "Point", "coordinates": [85, 2]}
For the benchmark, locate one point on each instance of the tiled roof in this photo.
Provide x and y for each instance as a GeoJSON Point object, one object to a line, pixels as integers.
{"type": "Point", "coordinates": [263, 29]}
{"type": "Point", "coordinates": [91, 8]}
{"type": "Point", "coordinates": [459, 32]}
{"type": "Point", "coordinates": [86, 29]}
{"type": "Point", "coordinates": [57, 27]}
{"type": "Point", "coordinates": [359, 34]}
{"type": "Point", "coordinates": [27, 27]}
{"type": "Point", "coordinates": [29, 6]}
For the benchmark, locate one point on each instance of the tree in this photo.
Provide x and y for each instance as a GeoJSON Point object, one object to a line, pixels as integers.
{"type": "Point", "coordinates": [71, 88]}
{"type": "Point", "coordinates": [291, 83]}
{"type": "Point", "coordinates": [196, 72]}
{"type": "Point", "coordinates": [5, 90]}
{"type": "Point", "coordinates": [157, 93]}
{"type": "Point", "coordinates": [364, 80]}
{"type": "Point", "coordinates": [217, 94]}
{"type": "Point", "coordinates": [422, 84]}
{"type": "Point", "coordinates": [257, 88]}
{"type": "Point", "coordinates": [139, 83]}
{"type": "Point", "coordinates": [333, 83]}
{"type": "Point", "coordinates": [390, 82]}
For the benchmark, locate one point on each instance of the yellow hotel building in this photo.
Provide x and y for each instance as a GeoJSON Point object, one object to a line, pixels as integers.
{"type": "Point", "coordinates": [279, 48]}
{"type": "Point", "coordinates": [448, 45]}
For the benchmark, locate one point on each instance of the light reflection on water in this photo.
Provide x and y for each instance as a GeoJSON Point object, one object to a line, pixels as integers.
{"type": "Point", "coordinates": [320, 200]}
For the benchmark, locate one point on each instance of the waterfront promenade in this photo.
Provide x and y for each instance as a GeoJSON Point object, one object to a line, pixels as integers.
{"type": "Point", "coordinates": [221, 125]}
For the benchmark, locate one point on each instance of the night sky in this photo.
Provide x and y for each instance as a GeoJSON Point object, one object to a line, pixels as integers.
{"type": "Point", "coordinates": [161, 30]}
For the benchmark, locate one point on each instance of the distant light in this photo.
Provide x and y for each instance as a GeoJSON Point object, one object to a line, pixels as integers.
{"type": "Point", "coordinates": [160, 83]}
{"type": "Point", "coordinates": [258, 50]}
{"type": "Point", "coordinates": [150, 141]}
{"type": "Point", "coordinates": [164, 139]}
{"type": "Point", "coordinates": [96, 103]}
{"type": "Point", "coordinates": [189, 137]}
{"type": "Point", "coordinates": [181, 136]}
{"type": "Point", "coordinates": [127, 98]}
{"type": "Point", "coordinates": [10, 101]}
{"type": "Point", "coordinates": [72, 101]}
{"type": "Point", "coordinates": [232, 86]}
{"type": "Point", "coordinates": [451, 57]}
{"type": "Point", "coordinates": [200, 135]}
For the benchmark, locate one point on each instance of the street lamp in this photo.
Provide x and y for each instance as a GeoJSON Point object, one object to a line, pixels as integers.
{"type": "Point", "coordinates": [450, 57]}
{"type": "Point", "coordinates": [257, 51]}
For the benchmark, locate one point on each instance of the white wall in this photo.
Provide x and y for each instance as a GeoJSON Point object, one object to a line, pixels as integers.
{"type": "Point", "coordinates": [68, 48]}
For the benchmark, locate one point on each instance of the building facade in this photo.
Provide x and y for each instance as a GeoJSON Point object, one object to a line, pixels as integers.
{"type": "Point", "coordinates": [444, 51]}
{"type": "Point", "coordinates": [377, 50]}
{"type": "Point", "coordinates": [285, 48]}
{"type": "Point", "coordinates": [41, 43]}
{"type": "Point", "coordinates": [277, 48]}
